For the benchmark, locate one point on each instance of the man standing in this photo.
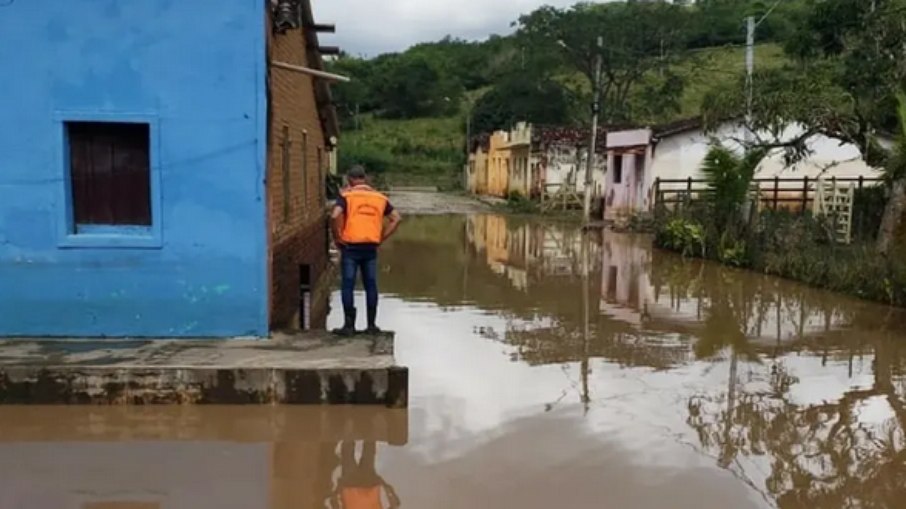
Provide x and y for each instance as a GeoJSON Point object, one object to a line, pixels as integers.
{"type": "Point", "coordinates": [358, 229]}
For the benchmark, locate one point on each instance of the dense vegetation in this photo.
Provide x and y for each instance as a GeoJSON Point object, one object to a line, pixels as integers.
{"type": "Point", "coordinates": [406, 113]}
{"type": "Point", "coordinates": [847, 81]}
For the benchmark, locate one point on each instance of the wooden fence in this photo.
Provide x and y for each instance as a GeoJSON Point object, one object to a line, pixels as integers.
{"type": "Point", "coordinates": [796, 195]}
{"type": "Point", "coordinates": [793, 194]}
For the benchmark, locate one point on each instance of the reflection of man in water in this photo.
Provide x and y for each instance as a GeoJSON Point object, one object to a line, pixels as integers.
{"type": "Point", "coordinates": [359, 486]}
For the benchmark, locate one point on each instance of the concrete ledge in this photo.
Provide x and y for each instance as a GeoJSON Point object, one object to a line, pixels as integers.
{"type": "Point", "coordinates": [290, 369]}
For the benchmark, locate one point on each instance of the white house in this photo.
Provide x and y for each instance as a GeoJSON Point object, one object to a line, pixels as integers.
{"type": "Point", "coordinates": [637, 158]}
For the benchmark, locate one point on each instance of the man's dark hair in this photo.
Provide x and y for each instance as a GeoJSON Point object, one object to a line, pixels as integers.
{"type": "Point", "coordinates": [357, 172]}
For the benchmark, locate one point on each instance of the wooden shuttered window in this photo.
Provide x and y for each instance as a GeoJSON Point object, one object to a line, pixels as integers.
{"type": "Point", "coordinates": [110, 172]}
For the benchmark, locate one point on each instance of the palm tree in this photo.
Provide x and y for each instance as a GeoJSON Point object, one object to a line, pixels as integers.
{"type": "Point", "coordinates": [729, 177]}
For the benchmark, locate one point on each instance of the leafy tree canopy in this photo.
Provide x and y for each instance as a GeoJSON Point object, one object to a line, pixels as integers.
{"type": "Point", "coordinates": [519, 99]}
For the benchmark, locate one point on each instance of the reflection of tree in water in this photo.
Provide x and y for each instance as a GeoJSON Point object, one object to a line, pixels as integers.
{"type": "Point", "coordinates": [563, 342]}
{"type": "Point", "coordinates": [802, 454]}
{"type": "Point", "coordinates": [820, 455]}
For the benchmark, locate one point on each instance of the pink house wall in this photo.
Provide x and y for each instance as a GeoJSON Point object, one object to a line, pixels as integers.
{"type": "Point", "coordinates": [626, 182]}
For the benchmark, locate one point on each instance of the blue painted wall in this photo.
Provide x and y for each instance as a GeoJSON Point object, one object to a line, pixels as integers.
{"type": "Point", "coordinates": [195, 71]}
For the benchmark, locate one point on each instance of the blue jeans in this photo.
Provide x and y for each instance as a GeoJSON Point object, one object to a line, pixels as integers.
{"type": "Point", "coordinates": [353, 259]}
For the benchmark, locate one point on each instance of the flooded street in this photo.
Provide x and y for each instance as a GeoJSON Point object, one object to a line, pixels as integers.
{"type": "Point", "coordinates": [544, 373]}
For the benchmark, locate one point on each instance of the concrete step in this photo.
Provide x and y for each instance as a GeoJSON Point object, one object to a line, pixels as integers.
{"type": "Point", "coordinates": [310, 368]}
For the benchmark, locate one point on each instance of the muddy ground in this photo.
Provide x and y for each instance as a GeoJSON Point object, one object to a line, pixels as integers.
{"type": "Point", "coordinates": [427, 202]}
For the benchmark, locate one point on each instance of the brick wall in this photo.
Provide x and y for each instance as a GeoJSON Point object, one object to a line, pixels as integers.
{"type": "Point", "coordinates": [297, 163]}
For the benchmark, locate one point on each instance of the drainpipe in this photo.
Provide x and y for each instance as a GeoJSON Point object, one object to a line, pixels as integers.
{"type": "Point", "coordinates": [329, 76]}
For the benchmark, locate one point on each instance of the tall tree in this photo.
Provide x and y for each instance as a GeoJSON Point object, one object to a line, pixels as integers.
{"type": "Point", "coordinates": [355, 95]}
{"type": "Point", "coordinates": [518, 99]}
{"type": "Point", "coordinates": [409, 86]}
{"type": "Point", "coordinates": [639, 38]}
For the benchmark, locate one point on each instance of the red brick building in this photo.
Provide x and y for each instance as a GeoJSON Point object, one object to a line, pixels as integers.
{"type": "Point", "coordinates": [302, 131]}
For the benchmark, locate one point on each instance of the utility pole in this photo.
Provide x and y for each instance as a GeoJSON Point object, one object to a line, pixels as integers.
{"type": "Point", "coordinates": [592, 144]}
{"type": "Point", "coordinates": [751, 25]}
{"type": "Point", "coordinates": [750, 69]}
{"type": "Point", "coordinates": [465, 183]}
{"type": "Point", "coordinates": [586, 333]}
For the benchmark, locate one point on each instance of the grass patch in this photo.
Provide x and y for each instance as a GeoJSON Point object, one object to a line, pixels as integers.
{"type": "Point", "coordinates": [425, 151]}
{"type": "Point", "coordinates": [712, 66]}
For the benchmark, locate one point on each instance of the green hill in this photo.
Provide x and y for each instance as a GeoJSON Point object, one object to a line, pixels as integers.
{"type": "Point", "coordinates": [431, 151]}
{"type": "Point", "coordinates": [714, 66]}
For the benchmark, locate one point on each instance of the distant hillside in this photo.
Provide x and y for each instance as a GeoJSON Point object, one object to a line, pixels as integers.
{"type": "Point", "coordinates": [422, 151]}
{"type": "Point", "coordinates": [431, 150]}
{"type": "Point", "coordinates": [714, 66]}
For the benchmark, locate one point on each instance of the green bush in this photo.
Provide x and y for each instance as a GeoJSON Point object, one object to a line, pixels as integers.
{"type": "Point", "coordinates": [734, 255]}
{"type": "Point", "coordinates": [793, 246]}
{"type": "Point", "coordinates": [517, 203]}
{"type": "Point", "coordinates": [682, 235]}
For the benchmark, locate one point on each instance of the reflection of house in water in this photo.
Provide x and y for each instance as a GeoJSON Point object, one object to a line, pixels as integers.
{"type": "Point", "coordinates": [625, 285]}
{"type": "Point", "coordinates": [655, 290]}
{"type": "Point", "coordinates": [489, 236]}
{"type": "Point", "coordinates": [520, 250]}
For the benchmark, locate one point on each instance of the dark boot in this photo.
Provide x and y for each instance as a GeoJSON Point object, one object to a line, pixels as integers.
{"type": "Point", "coordinates": [372, 318]}
{"type": "Point", "coordinates": [348, 325]}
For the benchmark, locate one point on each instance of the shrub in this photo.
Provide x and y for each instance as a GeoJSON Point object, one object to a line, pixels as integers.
{"type": "Point", "coordinates": [682, 235]}
{"type": "Point", "coordinates": [517, 203]}
{"type": "Point", "coordinates": [800, 247]}
{"type": "Point", "coordinates": [734, 255]}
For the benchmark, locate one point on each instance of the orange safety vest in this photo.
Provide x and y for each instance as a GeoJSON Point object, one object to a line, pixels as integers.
{"type": "Point", "coordinates": [364, 216]}
{"type": "Point", "coordinates": [362, 498]}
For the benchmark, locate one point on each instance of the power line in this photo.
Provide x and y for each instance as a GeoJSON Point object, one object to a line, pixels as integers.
{"type": "Point", "coordinates": [768, 13]}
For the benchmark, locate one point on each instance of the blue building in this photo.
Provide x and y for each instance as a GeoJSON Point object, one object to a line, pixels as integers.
{"type": "Point", "coordinates": [160, 176]}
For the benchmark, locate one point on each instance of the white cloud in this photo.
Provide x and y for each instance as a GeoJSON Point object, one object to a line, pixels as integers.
{"type": "Point", "coordinates": [371, 27]}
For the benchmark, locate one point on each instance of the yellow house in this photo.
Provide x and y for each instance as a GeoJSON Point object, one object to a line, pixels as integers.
{"type": "Point", "coordinates": [498, 165]}
{"type": "Point", "coordinates": [520, 151]}
{"type": "Point", "coordinates": [533, 160]}
{"type": "Point", "coordinates": [491, 163]}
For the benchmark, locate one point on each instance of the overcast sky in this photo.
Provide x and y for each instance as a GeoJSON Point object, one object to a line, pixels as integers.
{"type": "Point", "coordinates": [370, 27]}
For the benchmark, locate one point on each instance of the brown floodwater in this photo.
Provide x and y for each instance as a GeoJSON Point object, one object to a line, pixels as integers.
{"type": "Point", "coordinates": [545, 372]}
